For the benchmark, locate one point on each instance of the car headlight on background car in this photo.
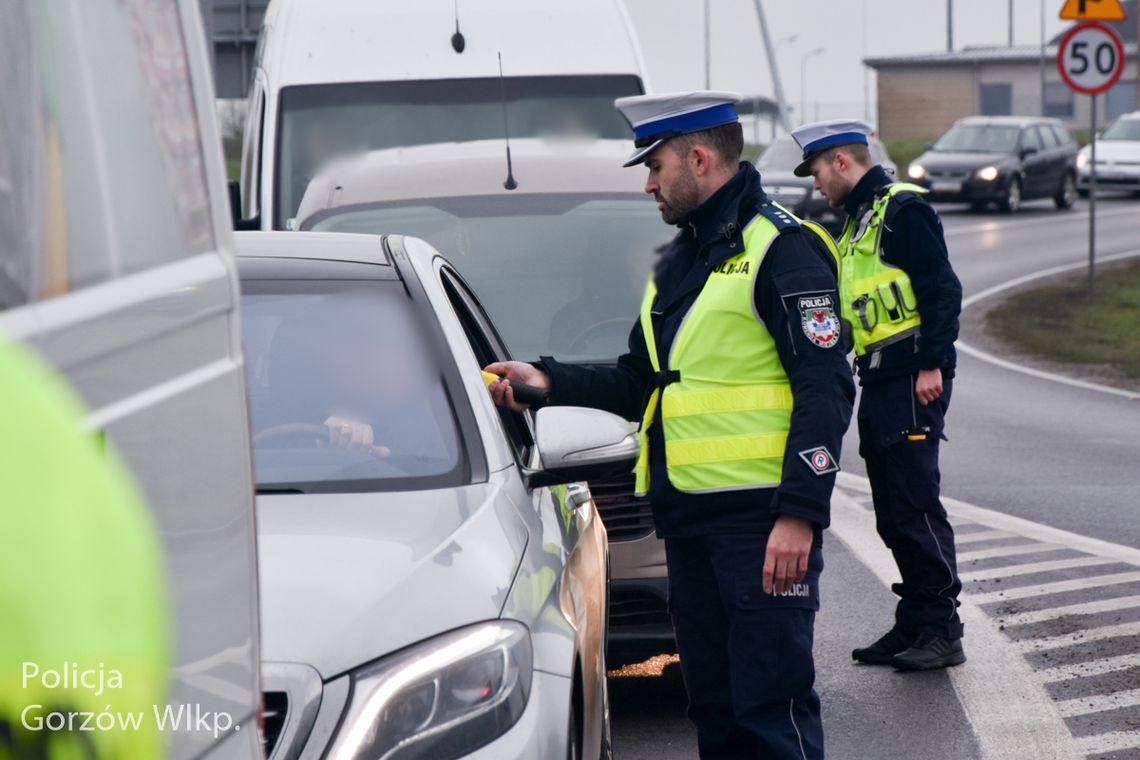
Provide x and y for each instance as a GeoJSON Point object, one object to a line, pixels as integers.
{"type": "Point", "coordinates": [440, 699]}
{"type": "Point", "coordinates": [987, 173]}
{"type": "Point", "coordinates": [1082, 160]}
{"type": "Point", "coordinates": [916, 171]}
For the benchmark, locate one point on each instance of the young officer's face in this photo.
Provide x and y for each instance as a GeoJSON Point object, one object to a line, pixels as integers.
{"type": "Point", "coordinates": [829, 180]}
{"type": "Point", "coordinates": [672, 184]}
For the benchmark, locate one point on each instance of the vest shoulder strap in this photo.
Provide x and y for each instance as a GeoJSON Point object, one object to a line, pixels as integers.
{"type": "Point", "coordinates": [779, 217]}
{"type": "Point", "coordinates": [901, 195]}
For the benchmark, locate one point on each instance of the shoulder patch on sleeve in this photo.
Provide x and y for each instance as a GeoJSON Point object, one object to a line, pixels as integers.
{"type": "Point", "coordinates": [818, 319]}
{"type": "Point", "coordinates": [820, 460]}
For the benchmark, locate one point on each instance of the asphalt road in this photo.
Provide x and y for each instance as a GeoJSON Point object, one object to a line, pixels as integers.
{"type": "Point", "coordinates": [1059, 455]}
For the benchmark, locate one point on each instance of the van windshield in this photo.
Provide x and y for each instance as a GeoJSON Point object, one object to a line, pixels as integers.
{"type": "Point", "coordinates": [558, 274]}
{"type": "Point", "coordinates": [344, 392]}
{"type": "Point", "coordinates": [1123, 129]}
{"type": "Point", "coordinates": [320, 123]}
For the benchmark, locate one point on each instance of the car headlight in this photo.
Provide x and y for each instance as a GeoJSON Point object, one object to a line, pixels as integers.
{"type": "Point", "coordinates": [1082, 160]}
{"type": "Point", "coordinates": [987, 173]}
{"type": "Point", "coordinates": [440, 699]}
{"type": "Point", "coordinates": [916, 171]}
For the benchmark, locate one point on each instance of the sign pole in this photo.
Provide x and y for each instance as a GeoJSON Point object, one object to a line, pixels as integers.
{"type": "Point", "coordinates": [1092, 193]}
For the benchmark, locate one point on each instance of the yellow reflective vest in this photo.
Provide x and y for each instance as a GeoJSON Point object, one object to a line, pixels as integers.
{"type": "Point", "coordinates": [879, 305]}
{"type": "Point", "coordinates": [725, 401]}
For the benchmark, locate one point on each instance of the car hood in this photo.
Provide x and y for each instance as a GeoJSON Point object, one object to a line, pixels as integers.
{"type": "Point", "coordinates": [961, 161]}
{"type": "Point", "coordinates": [348, 578]}
{"type": "Point", "coordinates": [1115, 150]}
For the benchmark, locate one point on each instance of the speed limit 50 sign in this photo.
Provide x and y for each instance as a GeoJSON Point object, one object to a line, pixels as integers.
{"type": "Point", "coordinates": [1091, 58]}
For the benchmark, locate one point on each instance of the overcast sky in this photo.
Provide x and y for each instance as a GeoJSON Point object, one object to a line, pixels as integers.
{"type": "Point", "coordinates": [672, 37]}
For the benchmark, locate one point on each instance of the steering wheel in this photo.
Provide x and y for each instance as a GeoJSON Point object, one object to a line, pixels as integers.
{"type": "Point", "coordinates": [293, 430]}
{"type": "Point", "coordinates": [584, 338]}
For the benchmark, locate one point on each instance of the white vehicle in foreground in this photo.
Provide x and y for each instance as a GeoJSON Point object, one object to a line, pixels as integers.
{"type": "Point", "coordinates": [433, 578]}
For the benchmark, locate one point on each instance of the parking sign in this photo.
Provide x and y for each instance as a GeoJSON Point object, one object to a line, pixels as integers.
{"type": "Point", "coordinates": [1091, 58]}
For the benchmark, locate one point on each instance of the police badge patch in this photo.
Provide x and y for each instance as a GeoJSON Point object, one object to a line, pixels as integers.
{"type": "Point", "coordinates": [820, 323]}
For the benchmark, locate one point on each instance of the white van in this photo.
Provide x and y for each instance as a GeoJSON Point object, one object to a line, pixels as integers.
{"type": "Point", "coordinates": [116, 266]}
{"type": "Point", "coordinates": [345, 76]}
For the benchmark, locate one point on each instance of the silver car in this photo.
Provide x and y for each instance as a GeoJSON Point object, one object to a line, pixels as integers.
{"type": "Point", "coordinates": [432, 575]}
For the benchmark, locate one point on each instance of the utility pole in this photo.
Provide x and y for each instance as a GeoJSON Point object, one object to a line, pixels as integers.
{"type": "Point", "coordinates": [777, 84]}
{"type": "Point", "coordinates": [708, 49]}
{"type": "Point", "coordinates": [1010, 24]}
{"type": "Point", "coordinates": [1042, 57]}
{"type": "Point", "coordinates": [949, 26]}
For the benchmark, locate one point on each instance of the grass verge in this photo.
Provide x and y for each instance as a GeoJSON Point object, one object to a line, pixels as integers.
{"type": "Point", "coordinates": [1063, 323]}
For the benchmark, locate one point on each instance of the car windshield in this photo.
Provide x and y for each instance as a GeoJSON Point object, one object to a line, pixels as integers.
{"type": "Point", "coordinates": [979, 138]}
{"type": "Point", "coordinates": [1123, 129]}
{"type": "Point", "coordinates": [784, 155]}
{"type": "Point", "coordinates": [558, 274]}
{"type": "Point", "coordinates": [344, 392]}
{"type": "Point", "coordinates": [320, 123]}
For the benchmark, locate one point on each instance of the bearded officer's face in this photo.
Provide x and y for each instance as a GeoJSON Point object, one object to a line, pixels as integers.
{"type": "Point", "coordinates": [830, 180]}
{"type": "Point", "coordinates": [672, 184]}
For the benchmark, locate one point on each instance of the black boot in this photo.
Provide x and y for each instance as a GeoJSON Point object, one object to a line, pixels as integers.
{"type": "Point", "coordinates": [883, 651]}
{"type": "Point", "coordinates": [931, 652]}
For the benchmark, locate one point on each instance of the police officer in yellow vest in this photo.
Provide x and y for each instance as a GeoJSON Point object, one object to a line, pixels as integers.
{"type": "Point", "coordinates": [737, 374]}
{"type": "Point", "coordinates": [900, 302]}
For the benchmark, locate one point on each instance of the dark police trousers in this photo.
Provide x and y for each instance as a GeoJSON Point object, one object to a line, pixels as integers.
{"type": "Point", "coordinates": [746, 656]}
{"type": "Point", "coordinates": [909, 516]}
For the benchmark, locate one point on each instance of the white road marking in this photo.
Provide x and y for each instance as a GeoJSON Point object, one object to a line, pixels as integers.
{"type": "Point", "coordinates": [1005, 551]}
{"type": "Point", "coordinates": [1011, 714]}
{"type": "Point", "coordinates": [1085, 608]}
{"type": "Point", "coordinates": [1098, 745]}
{"type": "Point", "coordinates": [1090, 668]}
{"type": "Point", "coordinates": [1076, 638]}
{"type": "Point", "coordinates": [1035, 567]}
{"type": "Point", "coordinates": [1076, 584]}
{"type": "Point", "coordinates": [1041, 374]}
{"type": "Point", "coordinates": [1071, 708]}
{"type": "Point", "coordinates": [1000, 226]}
{"type": "Point", "coordinates": [983, 535]}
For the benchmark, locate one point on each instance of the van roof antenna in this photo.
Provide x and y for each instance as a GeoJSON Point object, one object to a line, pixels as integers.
{"type": "Point", "coordinates": [458, 42]}
{"type": "Point", "coordinates": [510, 183]}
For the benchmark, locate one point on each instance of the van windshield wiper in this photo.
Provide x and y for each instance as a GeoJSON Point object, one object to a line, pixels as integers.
{"type": "Point", "coordinates": [269, 490]}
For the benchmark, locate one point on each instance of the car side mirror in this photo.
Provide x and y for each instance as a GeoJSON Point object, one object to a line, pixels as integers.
{"type": "Point", "coordinates": [253, 223]}
{"type": "Point", "coordinates": [575, 444]}
{"type": "Point", "coordinates": [927, 146]}
{"type": "Point", "coordinates": [1027, 152]}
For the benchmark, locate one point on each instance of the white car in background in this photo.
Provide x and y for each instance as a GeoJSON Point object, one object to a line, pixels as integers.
{"type": "Point", "coordinates": [1117, 157]}
{"type": "Point", "coordinates": [560, 262]}
{"type": "Point", "coordinates": [437, 587]}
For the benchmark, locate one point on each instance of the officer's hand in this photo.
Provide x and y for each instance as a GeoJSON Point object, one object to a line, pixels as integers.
{"type": "Point", "coordinates": [786, 558]}
{"type": "Point", "coordinates": [928, 387]}
{"type": "Point", "coordinates": [519, 371]}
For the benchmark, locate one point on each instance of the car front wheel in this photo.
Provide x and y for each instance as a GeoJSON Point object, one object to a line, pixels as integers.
{"type": "Point", "coordinates": [1067, 195]}
{"type": "Point", "coordinates": [1012, 200]}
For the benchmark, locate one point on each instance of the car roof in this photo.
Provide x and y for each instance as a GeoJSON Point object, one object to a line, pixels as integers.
{"type": "Point", "coordinates": [313, 254]}
{"type": "Point", "coordinates": [1009, 121]}
{"type": "Point", "coordinates": [477, 168]}
{"type": "Point", "coordinates": [365, 40]}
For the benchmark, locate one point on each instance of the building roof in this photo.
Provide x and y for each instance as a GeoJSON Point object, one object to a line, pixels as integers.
{"type": "Point", "coordinates": [975, 56]}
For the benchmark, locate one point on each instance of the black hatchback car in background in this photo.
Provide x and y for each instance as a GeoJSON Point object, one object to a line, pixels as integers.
{"type": "Point", "coordinates": [1001, 160]}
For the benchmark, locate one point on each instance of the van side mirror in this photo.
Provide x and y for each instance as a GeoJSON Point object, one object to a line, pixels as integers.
{"type": "Point", "coordinates": [253, 223]}
{"type": "Point", "coordinates": [575, 444]}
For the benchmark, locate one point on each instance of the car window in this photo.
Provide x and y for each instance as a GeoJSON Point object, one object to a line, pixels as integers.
{"type": "Point", "coordinates": [1029, 140]}
{"type": "Point", "coordinates": [320, 123]}
{"type": "Point", "coordinates": [92, 188]}
{"type": "Point", "coordinates": [979, 138]}
{"type": "Point", "coordinates": [488, 348]}
{"type": "Point", "coordinates": [1123, 129]}
{"type": "Point", "coordinates": [1062, 135]}
{"type": "Point", "coordinates": [355, 351]}
{"type": "Point", "coordinates": [782, 155]}
{"type": "Point", "coordinates": [558, 274]}
{"type": "Point", "coordinates": [878, 152]}
{"type": "Point", "coordinates": [1047, 137]}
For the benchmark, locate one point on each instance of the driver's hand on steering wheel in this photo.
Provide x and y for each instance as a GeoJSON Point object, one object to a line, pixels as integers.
{"type": "Point", "coordinates": [345, 433]}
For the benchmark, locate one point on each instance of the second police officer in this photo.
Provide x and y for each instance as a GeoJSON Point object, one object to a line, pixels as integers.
{"type": "Point", "coordinates": [737, 372]}
{"type": "Point", "coordinates": [900, 303]}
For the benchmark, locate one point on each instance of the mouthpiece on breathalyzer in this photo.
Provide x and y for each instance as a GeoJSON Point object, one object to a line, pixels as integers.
{"type": "Point", "coordinates": [523, 393]}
